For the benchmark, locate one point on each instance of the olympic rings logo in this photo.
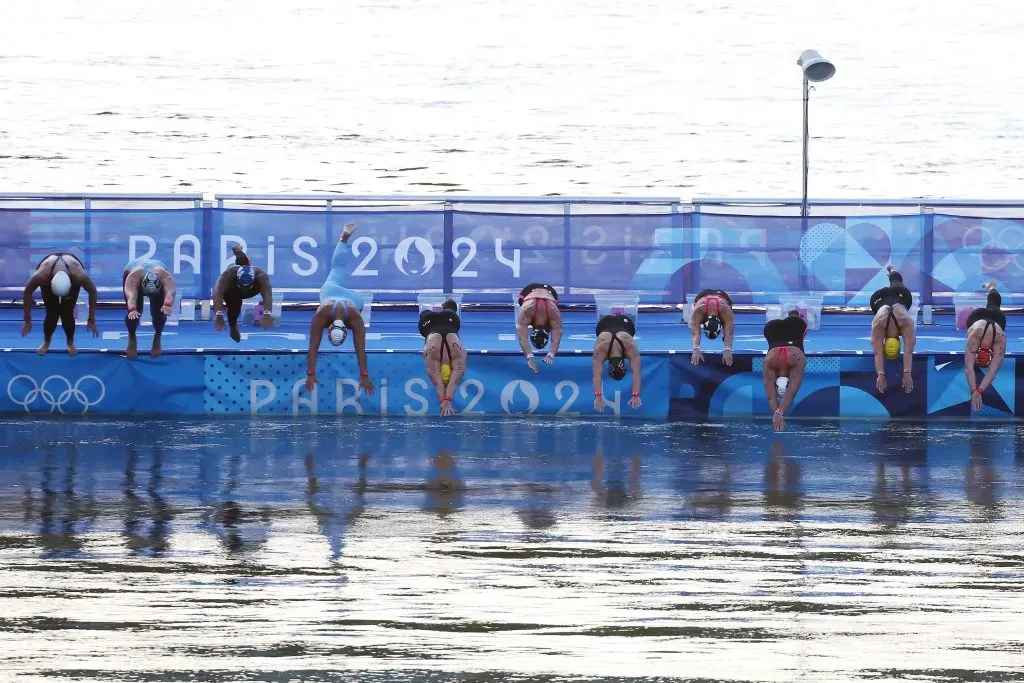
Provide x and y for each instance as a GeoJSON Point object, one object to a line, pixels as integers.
{"type": "Point", "coordinates": [1009, 239]}
{"type": "Point", "coordinates": [57, 392]}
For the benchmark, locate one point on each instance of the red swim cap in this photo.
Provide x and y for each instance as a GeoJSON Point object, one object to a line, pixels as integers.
{"type": "Point", "coordinates": [984, 356]}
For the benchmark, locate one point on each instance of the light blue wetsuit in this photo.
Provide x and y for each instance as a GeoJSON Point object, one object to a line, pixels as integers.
{"type": "Point", "coordinates": [334, 288]}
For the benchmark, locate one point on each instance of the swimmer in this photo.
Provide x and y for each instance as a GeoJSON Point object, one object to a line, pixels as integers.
{"type": "Point", "coordinates": [784, 365]}
{"type": "Point", "coordinates": [59, 278]}
{"type": "Point", "coordinates": [238, 282]}
{"type": "Point", "coordinates": [892, 320]}
{"type": "Point", "coordinates": [538, 319]}
{"type": "Point", "coordinates": [986, 344]}
{"type": "Point", "coordinates": [339, 311]}
{"type": "Point", "coordinates": [712, 313]}
{"type": "Point", "coordinates": [443, 352]}
{"type": "Point", "coordinates": [616, 331]}
{"type": "Point", "coordinates": [145, 277]}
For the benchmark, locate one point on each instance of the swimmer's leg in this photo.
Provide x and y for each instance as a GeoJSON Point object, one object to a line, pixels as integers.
{"type": "Point", "coordinates": [52, 305]}
{"type": "Point", "coordinates": [994, 300]}
{"type": "Point", "coordinates": [67, 321]}
{"type": "Point", "coordinates": [234, 306]}
{"type": "Point", "coordinates": [159, 320]}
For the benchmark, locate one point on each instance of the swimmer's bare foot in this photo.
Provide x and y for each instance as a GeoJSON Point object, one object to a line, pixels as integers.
{"type": "Point", "coordinates": [889, 268]}
{"type": "Point", "coordinates": [155, 351]}
{"type": "Point", "coordinates": [133, 348]}
{"type": "Point", "coordinates": [988, 286]}
{"type": "Point", "coordinates": [72, 349]}
{"type": "Point", "coordinates": [235, 334]}
{"type": "Point", "coordinates": [43, 348]}
{"type": "Point", "coordinates": [347, 232]}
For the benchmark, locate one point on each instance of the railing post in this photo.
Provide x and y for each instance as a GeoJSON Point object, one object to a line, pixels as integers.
{"type": "Point", "coordinates": [927, 253]}
{"type": "Point", "coordinates": [328, 250]}
{"type": "Point", "coordinates": [567, 247]}
{"type": "Point", "coordinates": [209, 257]}
{"type": "Point", "coordinates": [87, 233]}
{"type": "Point", "coordinates": [691, 252]}
{"type": "Point", "coordinates": [676, 247]}
{"type": "Point", "coordinates": [448, 257]}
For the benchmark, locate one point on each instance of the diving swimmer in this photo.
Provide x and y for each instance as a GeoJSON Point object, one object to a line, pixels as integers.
{"type": "Point", "coordinates": [538, 319]}
{"type": "Point", "coordinates": [712, 313]}
{"type": "Point", "coordinates": [443, 352]}
{"type": "Point", "coordinates": [616, 331]}
{"type": "Point", "coordinates": [59, 278]}
{"type": "Point", "coordinates": [240, 281]}
{"type": "Point", "coordinates": [892, 320]}
{"type": "Point", "coordinates": [145, 277]}
{"type": "Point", "coordinates": [986, 344]}
{"type": "Point", "coordinates": [339, 311]}
{"type": "Point", "coordinates": [784, 365]}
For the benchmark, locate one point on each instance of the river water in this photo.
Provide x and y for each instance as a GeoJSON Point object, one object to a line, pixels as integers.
{"type": "Point", "coordinates": [650, 97]}
{"type": "Point", "coordinates": [328, 549]}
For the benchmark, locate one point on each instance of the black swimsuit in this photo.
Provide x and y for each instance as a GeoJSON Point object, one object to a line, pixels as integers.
{"type": "Point", "coordinates": [442, 323]}
{"type": "Point", "coordinates": [616, 324]}
{"type": "Point", "coordinates": [789, 331]}
{"type": "Point", "coordinates": [890, 296]}
{"type": "Point", "coordinates": [991, 315]}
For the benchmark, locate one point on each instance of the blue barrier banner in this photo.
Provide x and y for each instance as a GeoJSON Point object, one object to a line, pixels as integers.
{"type": "Point", "coordinates": [490, 256]}
{"type": "Point", "coordinates": [104, 240]}
{"type": "Point", "coordinates": [970, 250]}
{"type": "Point", "coordinates": [100, 384]}
{"type": "Point", "coordinates": [396, 254]}
{"type": "Point", "coordinates": [274, 384]}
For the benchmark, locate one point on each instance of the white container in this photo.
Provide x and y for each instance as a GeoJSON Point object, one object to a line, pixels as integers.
{"type": "Point", "coordinates": [367, 309]}
{"type": "Point", "coordinates": [808, 305]}
{"type": "Point", "coordinates": [188, 309]}
{"type": "Point", "coordinates": [625, 303]}
{"type": "Point", "coordinates": [963, 304]}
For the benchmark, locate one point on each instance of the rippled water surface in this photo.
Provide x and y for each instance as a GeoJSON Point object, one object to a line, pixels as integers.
{"type": "Point", "coordinates": [530, 550]}
{"type": "Point", "coordinates": [527, 97]}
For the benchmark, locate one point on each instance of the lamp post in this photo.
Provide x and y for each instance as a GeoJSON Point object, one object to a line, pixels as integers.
{"type": "Point", "coordinates": [816, 69]}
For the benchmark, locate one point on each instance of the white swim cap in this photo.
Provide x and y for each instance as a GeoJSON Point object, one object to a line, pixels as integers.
{"type": "Point", "coordinates": [60, 285]}
{"type": "Point", "coordinates": [780, 385]}
{"type": "Point", "coordinates": [150, 283]}
{"type": "Point", "coordinates": [337, 333]}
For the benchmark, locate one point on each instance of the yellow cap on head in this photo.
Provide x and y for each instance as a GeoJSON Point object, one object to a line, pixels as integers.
{"type": "Point", "coordinates": [446, 372]}
{"type": "Point", "coordinates": [891, 347]}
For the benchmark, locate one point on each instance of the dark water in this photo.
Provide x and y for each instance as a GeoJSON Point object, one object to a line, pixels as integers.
{"type": "Point", "coordinates": [522, 550]}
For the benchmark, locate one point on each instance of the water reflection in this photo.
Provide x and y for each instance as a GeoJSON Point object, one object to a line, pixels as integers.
{"type": "Point", "coordinates": [584, 549]}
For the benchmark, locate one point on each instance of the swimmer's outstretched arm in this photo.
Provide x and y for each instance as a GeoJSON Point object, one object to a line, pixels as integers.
{"type": "Point", "coordinates": [769, 387]}
{"type": "Point", "coordinates": [266, 291]}
{"type": "Point", "coordinates": [909, 339]}
{"type": "Point", "coordinates": [359, 341]}
{"type": "Point", "coordinates": [316, 333]}
{"type": "Point", "coordinates": [167, 280]}
{"type": "Point", "coordinates": [970, 358]}
{"type": "Point", "coordinates": [556, 333]}
{"type": "Point", "coordinates": [521, 332]}
{"type": "Point", "coordinates": [877, 336]}
{"type": "Point", "coordinates": [219, 289]}
{"type": "Point", "coordinates": [634, 367]}
{"type": "Point", "coordinates": [458, 359]}
{"type": "Point", "coordinates": [434, 371]}
{"type": "Point", "coordinates": [131, 289]}
{"type": "Point", "coordinates": [597, 367]}
{"type": "Point", "coordinates": [30, 287]}
{"type": "Point", "coordinates": [796, 378]}
{"type": "Point", "coordinates": [89, 286]}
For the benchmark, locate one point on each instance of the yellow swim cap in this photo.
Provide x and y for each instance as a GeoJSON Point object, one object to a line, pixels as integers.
{"type": "Point", "coordinates": [446, 372]}
{"type": "Point", "coordinates": [891, 347]}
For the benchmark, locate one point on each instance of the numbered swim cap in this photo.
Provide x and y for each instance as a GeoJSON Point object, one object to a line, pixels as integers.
{"type": "Point", "coordinates": [60, 285]}
{"type": "Point", "coordinates": [337, 333]}
{"type": "Point", "coordinates": [150, 282]}
{"type": "Point", "coordinates": [984, 356]}
{"type": "Point", "coordinates": [712, 326]}
{"type": "Point", "coordinates": [780, 386]}
{"type": "Point", "coordinates": [617, 368]}
{"type": "Point", "coordinates": [446, 373]}
{"type": "Point", "coordinates": [245, 276]}
{"type": "Point", "coordinates": [539, 338]}
{"type": "Point", "coordinates": [891, 348]}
